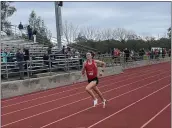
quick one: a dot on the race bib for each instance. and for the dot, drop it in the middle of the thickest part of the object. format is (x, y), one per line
(90, 73)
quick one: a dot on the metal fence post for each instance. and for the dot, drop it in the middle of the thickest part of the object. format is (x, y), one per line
(6, 66)
(31, 67)
(68, 68)
(49, 63)
(27, 65)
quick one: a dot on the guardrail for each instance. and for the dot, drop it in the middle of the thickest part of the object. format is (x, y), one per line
(33, 68)
(11, 69)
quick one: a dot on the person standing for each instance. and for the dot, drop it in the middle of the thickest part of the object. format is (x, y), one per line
(29, 30)
(4, 56)
(20, 26)
(26, 57)
(126, 54)
(163, 53)
(34, 35)
(169, 52)
(20, 60)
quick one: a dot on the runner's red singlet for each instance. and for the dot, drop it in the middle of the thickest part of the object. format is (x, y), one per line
(91, 70)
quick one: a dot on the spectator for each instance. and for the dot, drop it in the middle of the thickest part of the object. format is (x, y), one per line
(126, 54)
(20, 59)
(34, 35)
(116, 55)
(163, 53)
(26, 56)
(20, 26)
(112, 53)
(46, 59)
(49, 50)
(152, 54)
(169, 52)
(165, 50)
(4, 56)
(68, 49)
(77, 55)
(63, 50)
(9, 57)
(132, 55)
(156, 52)
(29, 30)
(141, 53)
(159, 52)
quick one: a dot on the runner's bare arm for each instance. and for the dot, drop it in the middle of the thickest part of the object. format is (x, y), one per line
(103, 64)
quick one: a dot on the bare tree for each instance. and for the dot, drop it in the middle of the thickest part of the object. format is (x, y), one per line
(107, 34)
(120, 34)
(89, 32)
(98, 35)
(70, 32)
(149, 38)
(131, 35)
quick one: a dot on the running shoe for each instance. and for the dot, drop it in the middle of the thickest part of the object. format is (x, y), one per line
(104, 103)
(95, 102)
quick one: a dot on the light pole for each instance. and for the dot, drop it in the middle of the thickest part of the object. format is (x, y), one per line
(58, 23)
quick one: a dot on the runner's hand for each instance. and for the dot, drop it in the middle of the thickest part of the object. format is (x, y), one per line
(101, 74)
(83, 74)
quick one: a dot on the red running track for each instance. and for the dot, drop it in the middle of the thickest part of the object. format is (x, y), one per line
(138, 98)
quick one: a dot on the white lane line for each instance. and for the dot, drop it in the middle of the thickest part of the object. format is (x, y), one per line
(77, 94)
(76, 102)
(142, 74)
(61, 87)
(145, 124)
(128, 106)
(72, 86)
(89, 108)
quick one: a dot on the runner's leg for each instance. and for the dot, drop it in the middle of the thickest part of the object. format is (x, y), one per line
(95, 88)
(89, 89)
(100, 95)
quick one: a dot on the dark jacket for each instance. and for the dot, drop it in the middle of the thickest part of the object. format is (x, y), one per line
(34, 32)
(29, 29)
(26, 56)
(127, 53)
(20, 26)
(19, 57)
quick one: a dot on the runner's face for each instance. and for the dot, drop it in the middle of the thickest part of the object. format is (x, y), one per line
(88, 55)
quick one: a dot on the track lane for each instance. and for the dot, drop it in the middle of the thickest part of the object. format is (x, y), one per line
(31, 107)
(24, 104)
(161, 120)
(14, 100)
(95, 114)
(82, 94)
(135, 116)
(62, 111)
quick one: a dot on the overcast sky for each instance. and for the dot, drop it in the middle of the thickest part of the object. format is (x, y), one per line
(145, 18)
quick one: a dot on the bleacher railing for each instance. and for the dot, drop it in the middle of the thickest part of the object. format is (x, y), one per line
(13, 32)
(34, 68)
(28, 69)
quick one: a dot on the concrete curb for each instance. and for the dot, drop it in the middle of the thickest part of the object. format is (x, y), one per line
(21, 87)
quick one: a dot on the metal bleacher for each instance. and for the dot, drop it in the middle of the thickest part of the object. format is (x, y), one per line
(36, 64)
